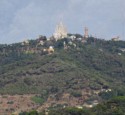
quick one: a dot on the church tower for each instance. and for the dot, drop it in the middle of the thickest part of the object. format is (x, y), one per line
(60, 32)
(86, 35)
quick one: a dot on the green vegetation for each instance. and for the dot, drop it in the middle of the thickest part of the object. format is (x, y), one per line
(70, 111)
(94, 64)
(29, 113)
(76, 94)
(37, 99)
(115, 106)
(97, 66)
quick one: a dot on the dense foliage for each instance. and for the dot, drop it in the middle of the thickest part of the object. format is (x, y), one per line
(93, 64)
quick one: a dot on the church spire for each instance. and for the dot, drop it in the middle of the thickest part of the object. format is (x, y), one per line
(60, 32)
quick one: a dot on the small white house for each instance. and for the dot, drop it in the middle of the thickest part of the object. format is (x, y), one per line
(116, 39)
(41, 42)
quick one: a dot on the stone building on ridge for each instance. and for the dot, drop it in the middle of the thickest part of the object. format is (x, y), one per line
(60, 32)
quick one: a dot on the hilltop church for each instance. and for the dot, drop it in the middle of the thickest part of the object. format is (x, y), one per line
(60, 32)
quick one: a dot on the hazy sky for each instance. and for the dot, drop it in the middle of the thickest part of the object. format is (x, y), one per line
(26, 19)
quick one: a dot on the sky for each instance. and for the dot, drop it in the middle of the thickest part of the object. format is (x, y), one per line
(27, 19)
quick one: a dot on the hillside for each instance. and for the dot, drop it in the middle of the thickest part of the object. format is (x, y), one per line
(94, 68)
(115, 106)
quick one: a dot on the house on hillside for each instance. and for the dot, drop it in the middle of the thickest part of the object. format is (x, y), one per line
(72, 37)
(122, 49)
(116, 38)
(41, 38)
(25, 42)
(50, 50)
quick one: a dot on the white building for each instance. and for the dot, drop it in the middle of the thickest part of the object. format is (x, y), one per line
(60, 32)
(25, 42)
(116, 38)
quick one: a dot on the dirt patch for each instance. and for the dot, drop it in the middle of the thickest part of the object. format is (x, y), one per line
(16, 103)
